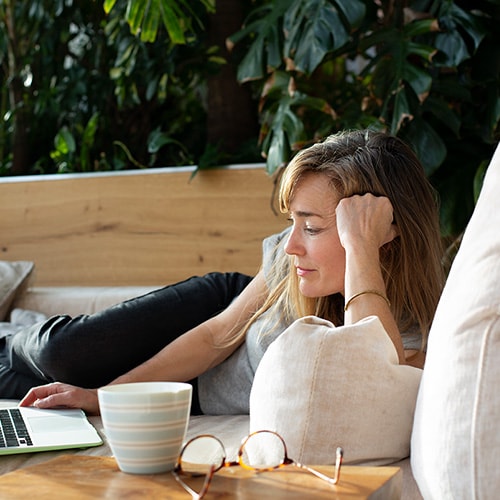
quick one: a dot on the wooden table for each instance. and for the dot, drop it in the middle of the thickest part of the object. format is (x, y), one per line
(72, 477)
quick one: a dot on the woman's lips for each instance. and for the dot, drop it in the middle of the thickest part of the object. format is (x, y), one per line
(301, 271)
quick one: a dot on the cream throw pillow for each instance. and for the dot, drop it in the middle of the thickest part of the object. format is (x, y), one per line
(321, 387)
(14, 277)
(456, 438)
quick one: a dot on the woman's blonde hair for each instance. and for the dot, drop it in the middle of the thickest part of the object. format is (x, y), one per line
(359, 162)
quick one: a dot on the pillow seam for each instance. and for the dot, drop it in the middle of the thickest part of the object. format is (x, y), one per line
(312, 392)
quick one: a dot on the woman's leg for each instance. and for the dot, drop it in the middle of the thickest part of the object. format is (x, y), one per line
(14, 385)
(90, 351)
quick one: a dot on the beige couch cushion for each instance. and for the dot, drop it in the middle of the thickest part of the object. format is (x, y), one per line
(74, 300)
(321, 387)
(13, 279)
(456, 436)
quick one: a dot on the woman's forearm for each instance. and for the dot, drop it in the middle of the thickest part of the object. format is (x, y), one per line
(363, 274)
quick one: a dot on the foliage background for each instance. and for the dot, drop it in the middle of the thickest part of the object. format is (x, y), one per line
(146, 83)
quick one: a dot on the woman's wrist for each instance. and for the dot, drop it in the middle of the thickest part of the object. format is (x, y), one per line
(378, 293)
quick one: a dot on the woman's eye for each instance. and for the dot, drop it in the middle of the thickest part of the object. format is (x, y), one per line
(312, 230)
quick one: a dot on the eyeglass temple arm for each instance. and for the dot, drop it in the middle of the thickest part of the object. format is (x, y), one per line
(204, 489)
(317, 473)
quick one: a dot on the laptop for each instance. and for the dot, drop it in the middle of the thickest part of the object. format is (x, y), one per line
(26, 430)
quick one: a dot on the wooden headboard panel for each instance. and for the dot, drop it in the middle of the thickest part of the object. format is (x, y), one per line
(150, 227)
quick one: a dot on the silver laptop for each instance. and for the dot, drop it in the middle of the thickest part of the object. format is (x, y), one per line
(25, 430)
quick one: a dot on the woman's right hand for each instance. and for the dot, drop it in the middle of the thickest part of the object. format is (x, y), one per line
(59, 395)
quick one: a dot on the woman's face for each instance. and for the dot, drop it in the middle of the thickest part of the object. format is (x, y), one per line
(319, 258)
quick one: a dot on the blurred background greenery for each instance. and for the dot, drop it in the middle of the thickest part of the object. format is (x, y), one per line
(118, 84)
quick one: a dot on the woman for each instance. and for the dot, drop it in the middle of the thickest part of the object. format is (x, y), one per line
(364, 240)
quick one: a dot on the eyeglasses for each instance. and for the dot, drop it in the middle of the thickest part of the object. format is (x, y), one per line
(260, 451)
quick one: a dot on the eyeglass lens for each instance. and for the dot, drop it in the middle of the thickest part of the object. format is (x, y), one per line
(262, 450)
(201, 454)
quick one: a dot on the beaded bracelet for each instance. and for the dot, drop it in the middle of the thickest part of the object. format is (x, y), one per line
(374, 292)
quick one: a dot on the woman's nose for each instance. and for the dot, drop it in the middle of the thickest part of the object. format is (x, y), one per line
(293, 246)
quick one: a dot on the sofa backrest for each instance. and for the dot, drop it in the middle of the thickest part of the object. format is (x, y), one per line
(144, 227)
(456, 433)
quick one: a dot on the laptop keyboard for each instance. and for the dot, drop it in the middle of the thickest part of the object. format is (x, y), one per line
(13, 431)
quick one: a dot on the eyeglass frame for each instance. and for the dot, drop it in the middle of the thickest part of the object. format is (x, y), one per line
(339, 454)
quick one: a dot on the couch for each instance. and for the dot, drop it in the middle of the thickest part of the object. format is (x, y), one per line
(86, 242)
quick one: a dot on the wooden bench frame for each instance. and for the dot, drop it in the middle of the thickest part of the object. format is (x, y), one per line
(144, 227)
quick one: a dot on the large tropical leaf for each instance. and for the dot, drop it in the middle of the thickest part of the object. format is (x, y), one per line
(283, 130)
(399, 62)
(315, 28)
(428, 145)
(264, 29)
(300, 32)
(458, 27)
(143, 17)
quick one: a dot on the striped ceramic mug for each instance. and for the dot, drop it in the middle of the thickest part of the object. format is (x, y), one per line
(145, 423)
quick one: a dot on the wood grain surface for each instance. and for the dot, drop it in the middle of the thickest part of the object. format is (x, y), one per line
(86, 477)
(143, 228)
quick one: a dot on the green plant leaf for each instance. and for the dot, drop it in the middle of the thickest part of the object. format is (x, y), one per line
(172, 19)
(88, 142)
(265, 50)
(384, 37)
(401, 111)
(135, 13)
(108, 5)
(126, 53)
(209, 5)
(399, 64)
(353, 10)
(283, 129)
(143, 17)
(252, 65)
(157, 139)
(150, 24)
(278, 151)
(419, 79)
(479, 178)
(313, 29)
(457, 26)
(418, 27)
(428, 145)
(424, 51)
(469, 22)
(452, 47)
(64, 141)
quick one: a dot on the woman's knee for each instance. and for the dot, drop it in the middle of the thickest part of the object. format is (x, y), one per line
(59, 348)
